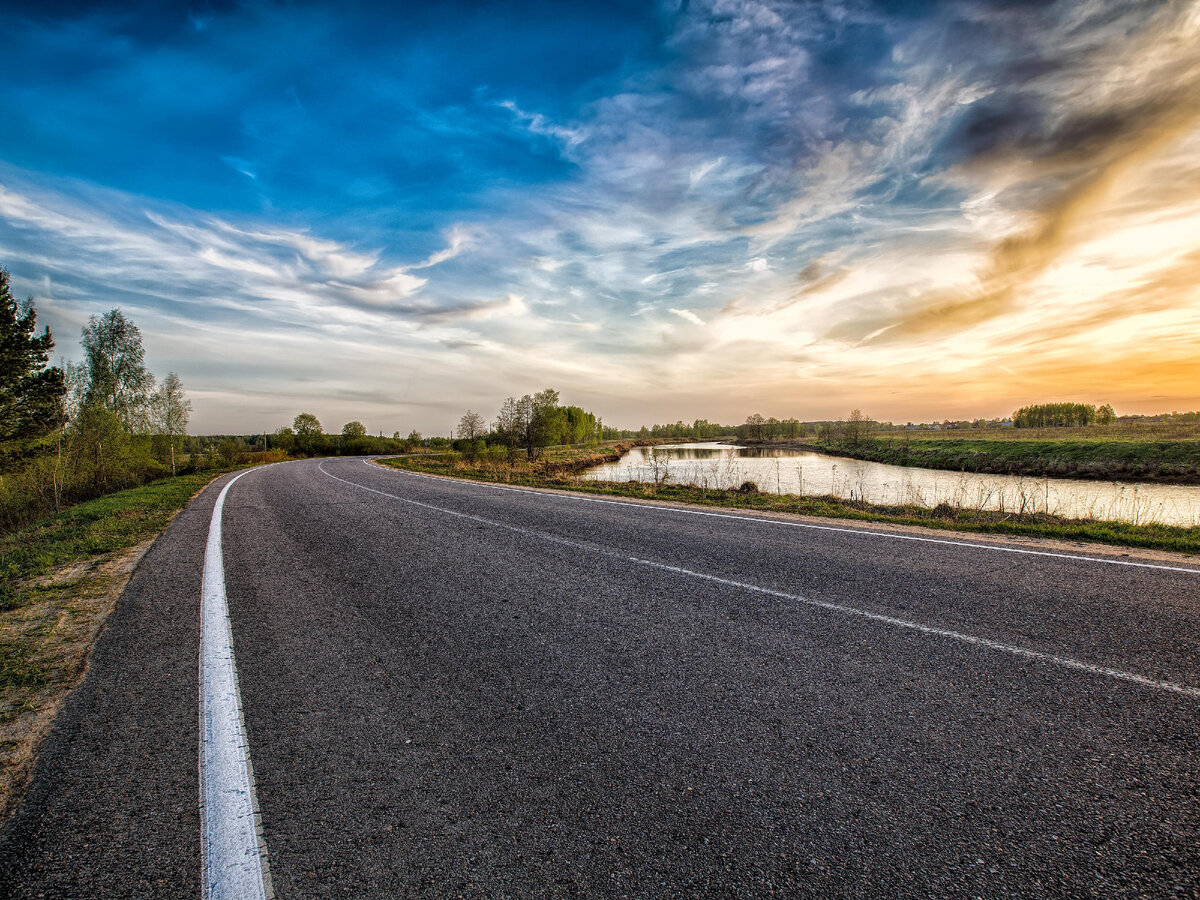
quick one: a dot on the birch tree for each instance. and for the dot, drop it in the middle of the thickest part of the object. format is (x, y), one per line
(171, 410)
(117, 376)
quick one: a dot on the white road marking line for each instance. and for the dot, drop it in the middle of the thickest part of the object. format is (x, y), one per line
(961, 637)
(764, 520)
(234, 853)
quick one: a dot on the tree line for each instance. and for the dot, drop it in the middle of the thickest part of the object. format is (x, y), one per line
(1063, 415)
(307, 437)
(698, 430)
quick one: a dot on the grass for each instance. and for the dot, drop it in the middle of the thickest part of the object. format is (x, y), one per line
(16, 666)
(45, 567)
(1052, 455)
(563, 474)
(82, 532)
(1120, 431)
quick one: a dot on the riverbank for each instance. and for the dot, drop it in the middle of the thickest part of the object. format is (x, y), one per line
(565, 475)
(554, 462)
(1162, 462)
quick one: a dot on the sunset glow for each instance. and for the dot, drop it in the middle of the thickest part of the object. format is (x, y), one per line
(672, 211)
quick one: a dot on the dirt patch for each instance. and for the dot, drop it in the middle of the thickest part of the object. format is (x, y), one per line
(54, 634)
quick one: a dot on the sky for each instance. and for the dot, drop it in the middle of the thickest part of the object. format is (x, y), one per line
(395, 212)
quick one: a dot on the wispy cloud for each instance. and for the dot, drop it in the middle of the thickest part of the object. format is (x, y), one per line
(687, 315)
(458, 239)
(697, 174)
(1085, 160)
(748, 193)
(539, 124)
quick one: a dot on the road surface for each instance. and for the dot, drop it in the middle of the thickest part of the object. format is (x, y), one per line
(452, 689)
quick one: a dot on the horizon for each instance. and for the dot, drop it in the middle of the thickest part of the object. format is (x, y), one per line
(666, 212)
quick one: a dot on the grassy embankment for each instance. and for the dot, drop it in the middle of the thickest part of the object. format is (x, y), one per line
(1176, 462)
(1167, 452)
(59, 579)
(560, 469)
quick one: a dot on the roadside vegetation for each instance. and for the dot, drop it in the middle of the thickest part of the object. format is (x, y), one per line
(561, 470)
(557, 465)
(100, 426)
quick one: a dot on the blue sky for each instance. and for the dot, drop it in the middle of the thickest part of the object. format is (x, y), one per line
(393, 213)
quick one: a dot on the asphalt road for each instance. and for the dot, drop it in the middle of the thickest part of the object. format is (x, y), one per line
(457, 690)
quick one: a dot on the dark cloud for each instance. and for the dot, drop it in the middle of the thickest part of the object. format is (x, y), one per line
(1019, 125)
(1000, 123)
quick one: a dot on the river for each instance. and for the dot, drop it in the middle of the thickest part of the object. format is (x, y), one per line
(791, 471)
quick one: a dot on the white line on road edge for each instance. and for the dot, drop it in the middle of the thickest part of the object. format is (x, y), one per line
(987, 643)
(234, 854)
(764, 520)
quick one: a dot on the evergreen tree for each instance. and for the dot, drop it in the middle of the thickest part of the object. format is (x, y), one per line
(31, 392)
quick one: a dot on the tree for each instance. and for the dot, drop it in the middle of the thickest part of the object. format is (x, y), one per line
(855, 428)
(354, 429)
(31, 393)
(755, 424)
(470, 426)
(284, 438)
(1106, 415)
(117, 376)
(540, 415)
(509, 425)
(307, 428)
(171, 410)
(101, 449)
(307, 425)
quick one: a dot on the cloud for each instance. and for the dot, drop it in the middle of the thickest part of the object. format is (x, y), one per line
(1084, 159)
(539, 124)
(510, 306)
(1016, 260)
(697, 174)
(847, 194)
(240, 165)
(267, 272)
(458, 239)
(1173, 288)
(687, 315)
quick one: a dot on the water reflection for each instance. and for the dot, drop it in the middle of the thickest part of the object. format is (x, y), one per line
(790, 471)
